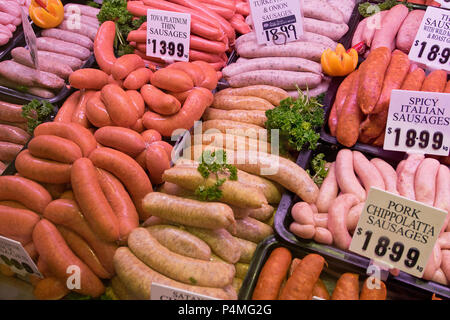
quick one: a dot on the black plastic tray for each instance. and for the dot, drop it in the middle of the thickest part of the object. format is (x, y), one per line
(20, 42)
(283, 219)
(16, 38)
(337, 265)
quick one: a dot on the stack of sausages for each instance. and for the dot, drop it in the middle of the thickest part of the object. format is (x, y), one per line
(211, 33)
(13, 132)
(335, 214)
(361, 106)
(394, 28)
(60, 51)
(10, 18)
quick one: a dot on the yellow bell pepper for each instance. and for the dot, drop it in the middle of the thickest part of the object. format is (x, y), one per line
(49, 17)
(339, 63)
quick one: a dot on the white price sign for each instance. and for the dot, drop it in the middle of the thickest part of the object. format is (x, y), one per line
(431, 47)
(15, 256)
(418, 122)
(444, 3)
(276, 21)
(397, 231)
(163, 292)
(168, 35)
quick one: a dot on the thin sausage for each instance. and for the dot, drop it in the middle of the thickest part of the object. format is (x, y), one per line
(345, 175)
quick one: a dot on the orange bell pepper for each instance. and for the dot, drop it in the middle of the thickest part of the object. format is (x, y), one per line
(339, 63)
(49, 17)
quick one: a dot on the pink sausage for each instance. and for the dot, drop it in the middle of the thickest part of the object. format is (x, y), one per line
(302, 213)
(321, 220)
(328, 190)
(373, 24)
(353, 216)
(439, 277)
(345, 176)
(358, 35)
(367, 172)
(302, 231)
(433, 262)
(405, 177)
(337, 219)
(442, 198)
(385, 37)
(445, 266)
(313, 208)
(387, 173)
(444, 240)
(323, 235)
(425, 181)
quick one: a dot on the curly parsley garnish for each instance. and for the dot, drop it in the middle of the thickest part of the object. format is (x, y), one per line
(36, 112)
(318, 166)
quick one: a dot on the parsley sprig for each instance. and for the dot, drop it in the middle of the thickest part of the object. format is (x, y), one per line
(319, 169)
(214, 163)
(386, 5)
(36, 112)
(298, 121)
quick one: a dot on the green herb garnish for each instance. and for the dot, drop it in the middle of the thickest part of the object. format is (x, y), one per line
(367, 9)
(214, 163)
(297, 121)
(319, 169)
(36, 112)
(192, 280)
(93, 4)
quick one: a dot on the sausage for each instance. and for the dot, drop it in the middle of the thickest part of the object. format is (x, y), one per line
(67, 109)
(444, 240)
(181, 242)
(387, 173)
(211, 78)
(435, 81)
(11, 112)
(405, 178)
(337, 222)
(302, 213)
(408, 30)
(120, 202)
(13, 134)
(128, 171)
(306, 231)
(445, 266)
(63, 47)
(88, 79)
(80, 28)
(42, 170)
(136, 79)
(347, 287)
(257, 117)
(251, 229)
(323, 235)
(173, 80)
(69, 36)
(196, 103)
(353, 216)
(157, 161)
(84, 252)
(92, 201)
(104, 46)
(345, 176)
(395, 75)
(150, 136)
(371, 76)
(53, 249)
(167, 147)
(433, 263)
(374, 23)
(120, 290)
(339, 101)
(188, 212)
(82, 9)
(328, 190)
(17, 224)
(123, 139)
(367, 172)
(66, 213)
(138, 277)
(54, 148)
(8, 151)
(79, 114)
(137, 101)
(158, 101)
(192, 70)
(72, 62)
(424, 181)
(248, 249)
(27, 192)
(385, 36)
(71, 131)
(221, 242)
(231, 102)
(442, 198)
(96, 111)
(126, 64)
(117, 104)
(272, 191)
(350, 115)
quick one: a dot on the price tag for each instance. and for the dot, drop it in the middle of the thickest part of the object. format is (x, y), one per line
(444, 3)
(418, 121)
(397, 231)
(168, 35)
(276, 21)
(431, 47)
(15, 256)
(163, 292)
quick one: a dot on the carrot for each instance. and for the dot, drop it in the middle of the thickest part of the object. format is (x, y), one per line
(272, 275)
(50, 289)
(373, 294)
(320, 290)
(301, 284)
(347, 287)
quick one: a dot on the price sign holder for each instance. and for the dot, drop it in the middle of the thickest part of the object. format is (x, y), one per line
(163, 292)
(418, 122)
(277, 22)
(168, 35)
(397, 231)
(431, 46)
(17, 258)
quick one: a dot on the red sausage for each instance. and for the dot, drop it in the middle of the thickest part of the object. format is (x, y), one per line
(104, 46)
(157, 161)
(122, 139)
(54, 148)
(17, 224)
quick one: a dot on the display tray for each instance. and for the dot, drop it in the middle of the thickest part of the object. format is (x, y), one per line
(17, 37)
(20, 42)
(283, 219)
(336, 266)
